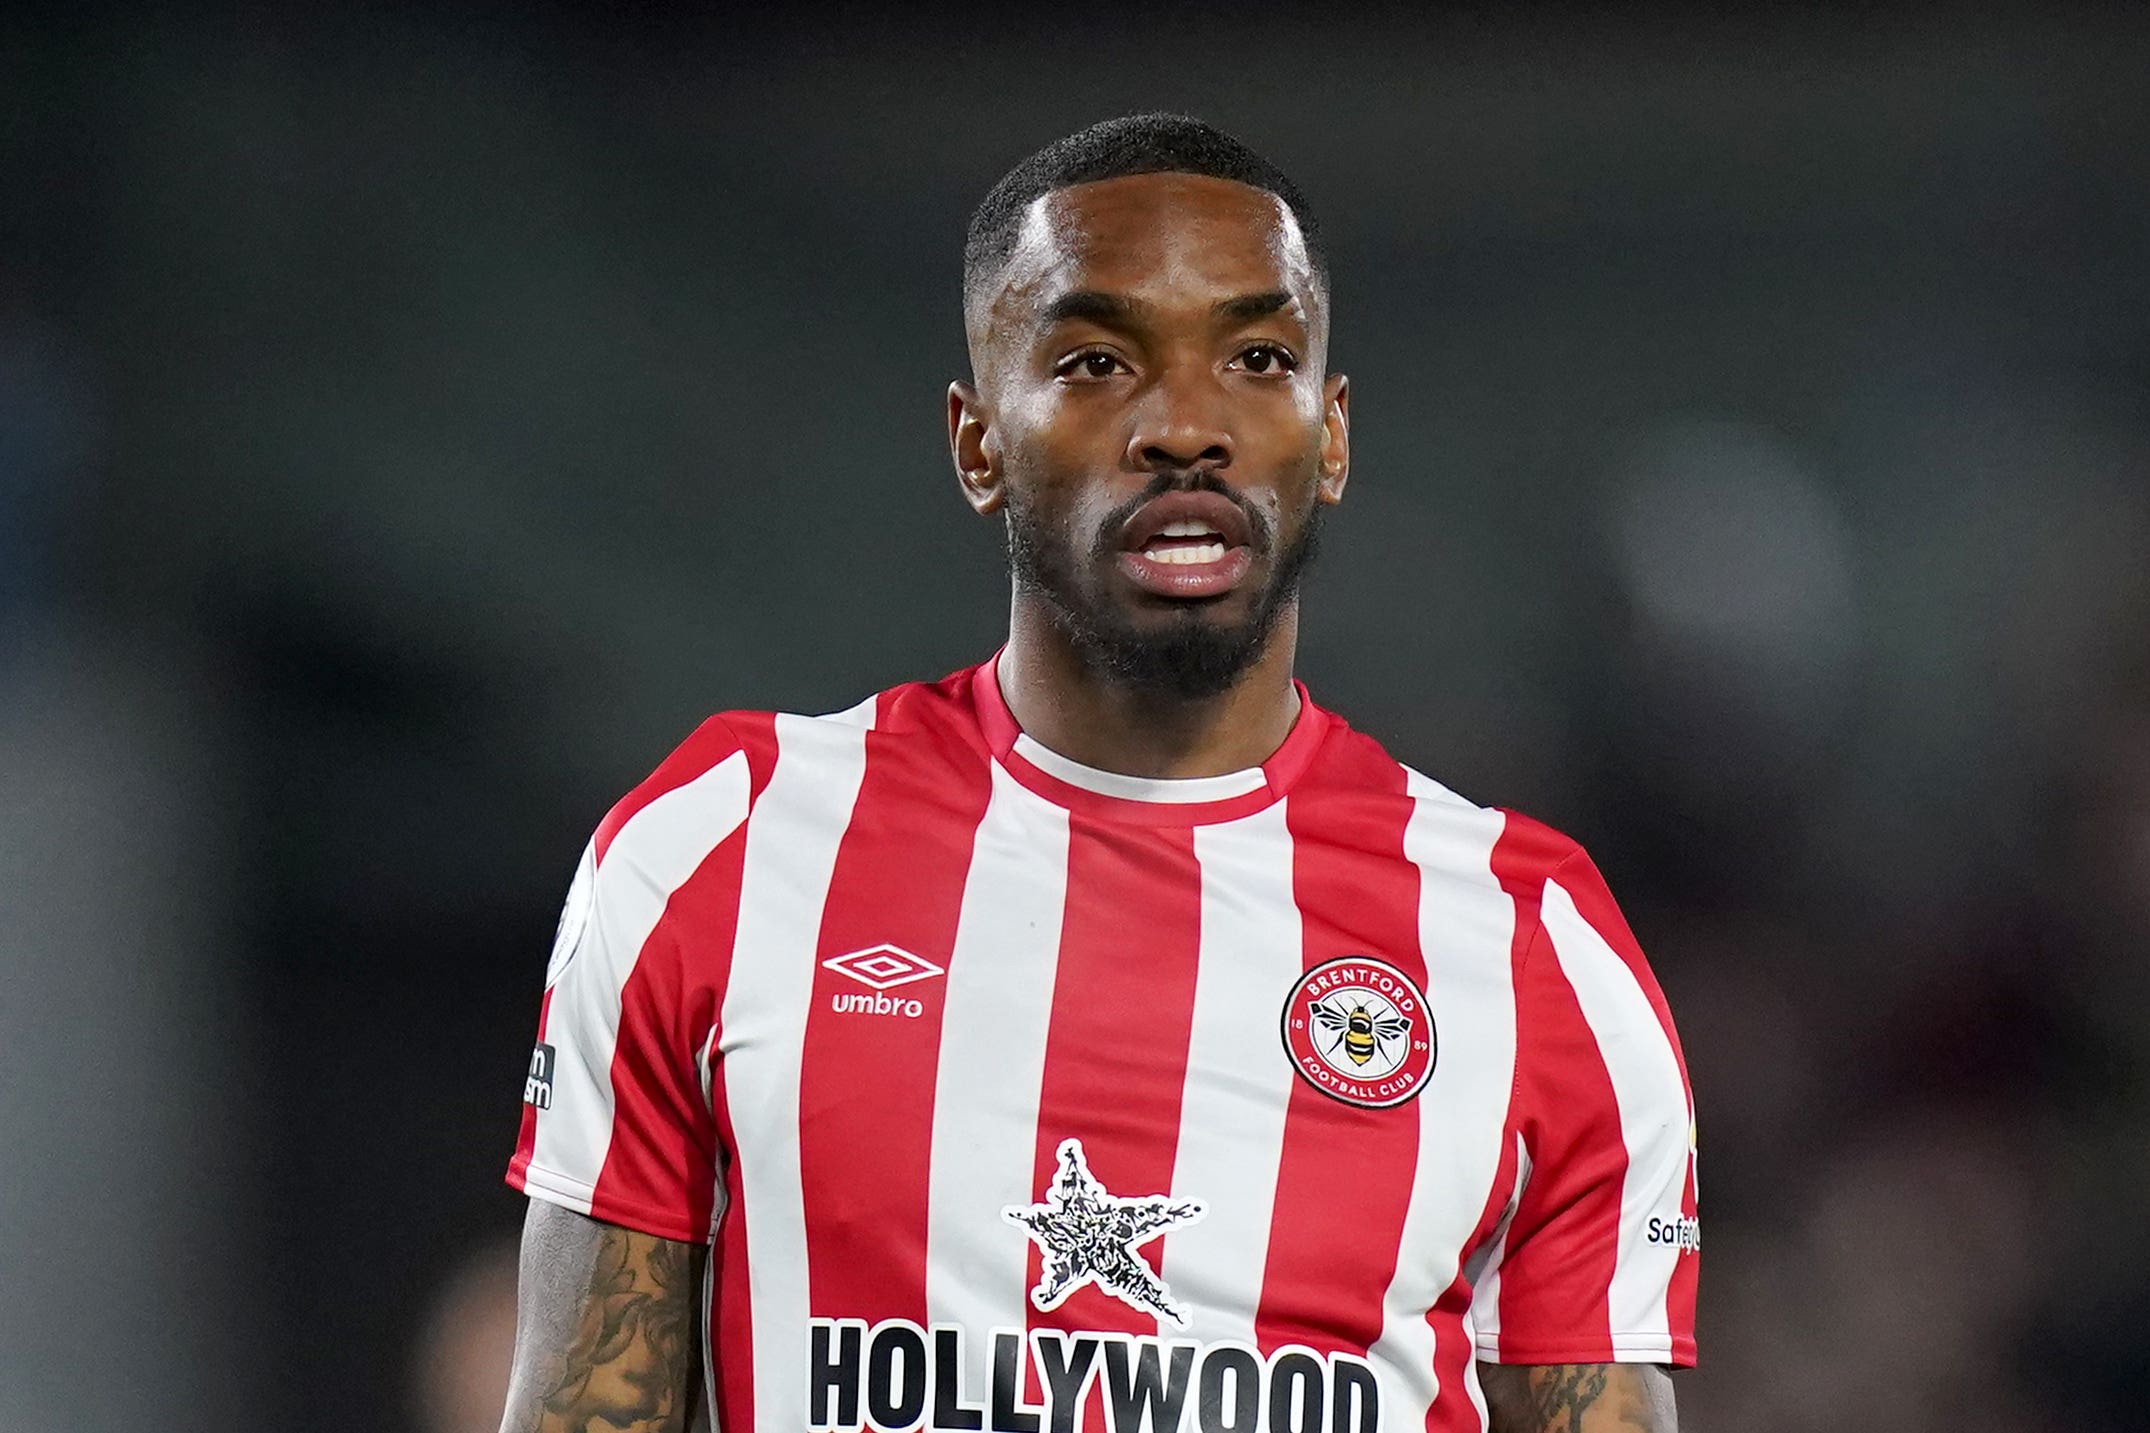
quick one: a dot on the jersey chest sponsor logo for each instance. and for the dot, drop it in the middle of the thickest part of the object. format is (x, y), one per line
(881, 969)
(896, 1377)
(1358, 1030)
(1088, 1235)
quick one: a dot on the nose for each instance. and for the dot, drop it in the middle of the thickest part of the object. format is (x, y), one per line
(1180, 426)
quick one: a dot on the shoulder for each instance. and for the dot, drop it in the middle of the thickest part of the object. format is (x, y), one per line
(921, 715)
(1526, 856)
(1350, 760)
(739, 750)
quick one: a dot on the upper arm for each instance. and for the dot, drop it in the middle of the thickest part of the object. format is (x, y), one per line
(617, 1120)
(618, 1144)
(1578, 1398)
(606, 1332)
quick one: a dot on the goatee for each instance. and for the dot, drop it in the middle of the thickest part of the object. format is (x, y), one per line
(1187, 659)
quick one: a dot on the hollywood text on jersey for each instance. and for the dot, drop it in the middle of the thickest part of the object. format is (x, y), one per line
(896, 1377)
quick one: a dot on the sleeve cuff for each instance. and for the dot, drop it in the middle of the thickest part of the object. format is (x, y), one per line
(1678, 1350)
(665, 1222)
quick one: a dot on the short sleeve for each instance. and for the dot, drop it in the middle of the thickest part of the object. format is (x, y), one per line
(1598, 1260)
(617, 1120)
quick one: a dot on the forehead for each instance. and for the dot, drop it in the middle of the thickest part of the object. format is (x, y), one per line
(1158, 232)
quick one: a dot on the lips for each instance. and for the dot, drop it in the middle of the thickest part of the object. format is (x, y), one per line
(1187, 545)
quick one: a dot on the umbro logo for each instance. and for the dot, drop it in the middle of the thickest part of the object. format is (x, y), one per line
(884, 967)
(881, 968)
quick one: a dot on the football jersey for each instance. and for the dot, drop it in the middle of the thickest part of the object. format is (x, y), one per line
(1017, 1095)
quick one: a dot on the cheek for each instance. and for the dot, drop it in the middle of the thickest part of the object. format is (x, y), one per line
(1314, 423)
(1288, 430)
(1063, 469)
(1297, 488)
(1048, 485)
(1054, 440)
(1290, 448)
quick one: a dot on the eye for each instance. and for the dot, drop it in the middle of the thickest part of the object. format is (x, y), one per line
(1090, 363)
(1267, 360)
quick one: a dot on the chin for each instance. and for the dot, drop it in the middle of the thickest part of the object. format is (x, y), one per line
(1188, 651)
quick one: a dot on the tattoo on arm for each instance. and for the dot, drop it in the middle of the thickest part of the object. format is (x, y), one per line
(1578, 1398)
(607, 1334)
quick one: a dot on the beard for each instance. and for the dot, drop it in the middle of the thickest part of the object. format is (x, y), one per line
(1188, 657)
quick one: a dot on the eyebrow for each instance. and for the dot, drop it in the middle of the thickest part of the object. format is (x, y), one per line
(1247, 307)
(1097, 306)
(1089, 304)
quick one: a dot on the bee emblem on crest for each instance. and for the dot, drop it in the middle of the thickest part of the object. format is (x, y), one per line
(1360, 1033)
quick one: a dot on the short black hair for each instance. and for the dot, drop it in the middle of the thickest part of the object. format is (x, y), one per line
(1155, 143)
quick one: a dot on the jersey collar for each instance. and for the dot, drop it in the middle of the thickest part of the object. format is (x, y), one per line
(1157, 801)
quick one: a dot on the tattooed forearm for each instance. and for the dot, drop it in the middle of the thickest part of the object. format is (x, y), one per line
(624, 1366)
(1560, 1398)
(1578, 1398)
(606, 1338)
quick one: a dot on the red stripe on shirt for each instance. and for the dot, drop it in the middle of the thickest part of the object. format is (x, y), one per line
(1116, 1051)
(1345, 1177)
(1557, 1268)
(661, 1163)
(866, 1087)
(729, 1332)
(1513, 859)
(1586, 887)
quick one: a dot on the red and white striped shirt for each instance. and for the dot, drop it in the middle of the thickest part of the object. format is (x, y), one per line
(1016, 1095)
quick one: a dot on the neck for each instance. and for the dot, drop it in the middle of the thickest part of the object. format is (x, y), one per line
(1084, 715)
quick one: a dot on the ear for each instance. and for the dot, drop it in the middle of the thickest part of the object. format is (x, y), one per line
(973, 446)
(1335, 439)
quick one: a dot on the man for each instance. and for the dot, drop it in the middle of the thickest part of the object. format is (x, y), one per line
(1106, 1037)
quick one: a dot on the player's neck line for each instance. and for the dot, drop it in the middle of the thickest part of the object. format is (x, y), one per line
(1138, 788)
(1082, 713)
(1170, 799)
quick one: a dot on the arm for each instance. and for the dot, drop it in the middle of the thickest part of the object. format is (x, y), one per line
(606, 1330)
(1578, 1398)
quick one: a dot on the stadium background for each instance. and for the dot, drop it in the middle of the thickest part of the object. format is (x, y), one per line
(413, 420)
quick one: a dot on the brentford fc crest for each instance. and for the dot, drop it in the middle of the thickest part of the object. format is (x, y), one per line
(1358, 1030)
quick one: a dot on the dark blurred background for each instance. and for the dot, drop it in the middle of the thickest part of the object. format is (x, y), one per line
(414, 420)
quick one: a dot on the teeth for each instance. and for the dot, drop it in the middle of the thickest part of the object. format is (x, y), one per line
(1187, 527)
(1188, 556)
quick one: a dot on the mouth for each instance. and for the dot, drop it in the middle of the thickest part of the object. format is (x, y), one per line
(1187, 546)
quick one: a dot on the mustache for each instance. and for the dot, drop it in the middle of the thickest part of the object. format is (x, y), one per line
(1179, 480)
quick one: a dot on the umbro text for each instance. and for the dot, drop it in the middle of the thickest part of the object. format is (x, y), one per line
(846, 1002)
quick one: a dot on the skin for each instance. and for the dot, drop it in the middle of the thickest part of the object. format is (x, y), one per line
(1578, 1398)
(1199, 355)
(607, 1334)
(1181, 383)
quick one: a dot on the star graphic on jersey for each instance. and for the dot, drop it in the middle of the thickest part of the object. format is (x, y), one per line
(1088, 1236)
